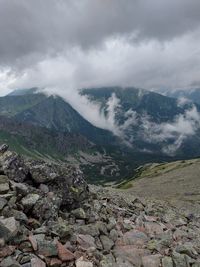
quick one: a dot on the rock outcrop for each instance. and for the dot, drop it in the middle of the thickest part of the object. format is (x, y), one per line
(49, 217)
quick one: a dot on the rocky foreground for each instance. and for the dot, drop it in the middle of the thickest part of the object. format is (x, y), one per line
(50, 217)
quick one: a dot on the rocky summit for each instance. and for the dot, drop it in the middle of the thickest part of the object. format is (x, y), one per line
(49, 216)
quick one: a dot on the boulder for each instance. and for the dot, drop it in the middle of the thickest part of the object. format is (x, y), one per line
(3, 202)
(10, 262)
(167, 262)
(86, 241)
(83, 263)
(63, 253)
(36, 262)
(9, 228)
(151, 261)
(47, 208)
(107, 243)
(79, 213)
(179, 260)
(47, 248)
(3, 148)
(29, 201)
(13, 166)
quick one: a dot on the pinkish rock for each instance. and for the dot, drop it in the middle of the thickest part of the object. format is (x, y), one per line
(36, 262)
(130, 254)
(63, 253)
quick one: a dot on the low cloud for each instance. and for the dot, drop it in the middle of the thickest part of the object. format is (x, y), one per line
(175, 132)
(169, 135)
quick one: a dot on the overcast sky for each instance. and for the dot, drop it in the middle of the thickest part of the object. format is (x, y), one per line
(68, 44)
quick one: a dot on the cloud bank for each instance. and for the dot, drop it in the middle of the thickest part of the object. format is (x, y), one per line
(79, 43)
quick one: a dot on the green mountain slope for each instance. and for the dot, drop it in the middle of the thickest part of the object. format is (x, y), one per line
(35, 124)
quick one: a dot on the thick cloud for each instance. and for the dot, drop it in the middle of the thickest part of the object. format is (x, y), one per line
(36, 27)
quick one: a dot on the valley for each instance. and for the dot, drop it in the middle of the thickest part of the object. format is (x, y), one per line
(47, 127)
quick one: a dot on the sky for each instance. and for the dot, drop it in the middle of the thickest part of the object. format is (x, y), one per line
(68, 44)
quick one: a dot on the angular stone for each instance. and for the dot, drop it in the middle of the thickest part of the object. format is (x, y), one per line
(63, 253)
(36, 262)
(4, 179)
(13, 166)
(187, 249)
(47, 208)
(79, 213)
(90, 229)
(33, 241)
(21, 188)
(107, 243)
(3, 202)
(86, 241)
(113, 235)
(6, 251)
(61, 229)
(133, 237)
(179, 260)
(83, 263)
(130, 254)
(9, 262)
(102, 227)
(153, 228)
(29, 201)
(47, 248)
(9, 227)
(3, 148)
(108, 261)
(151, 261)
(4, 188)
(167, 262)
(55, 262)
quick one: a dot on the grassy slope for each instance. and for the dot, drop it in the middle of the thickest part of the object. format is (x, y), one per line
(177, 180)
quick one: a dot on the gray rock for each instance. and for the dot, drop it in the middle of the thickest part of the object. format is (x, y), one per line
(108, 261)
(21, 188)
(9, 228)
(113, 235)
(167, 262)
(89, 229)
(86, 241)
(9, 262)
(83, 263)
(47, 208)
(47, 248)
(61, 229)
(3, 148)
(13, 166)
(3, 202)
(107, 243)
(4, 179)
(179, 260)
(19, 215)
(29, 201)
(187, 249)
(151, 261)
(79, 213)
(4, 188)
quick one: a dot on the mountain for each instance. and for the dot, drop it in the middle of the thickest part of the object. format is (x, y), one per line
(149, 121)
(46, 126)
(30, 120)
(192, 94)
